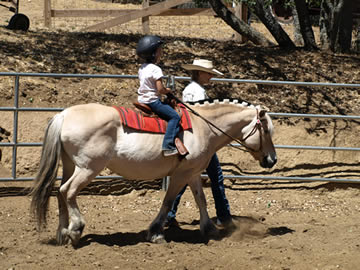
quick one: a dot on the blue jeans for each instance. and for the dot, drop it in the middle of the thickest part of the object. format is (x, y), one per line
(222, 207)
(164, 111)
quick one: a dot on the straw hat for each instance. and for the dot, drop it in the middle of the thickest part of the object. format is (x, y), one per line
(202, 65)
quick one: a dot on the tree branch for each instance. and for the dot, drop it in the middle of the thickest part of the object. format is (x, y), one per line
(238, 25)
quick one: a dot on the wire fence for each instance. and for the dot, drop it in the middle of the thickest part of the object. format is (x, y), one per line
(16, 108)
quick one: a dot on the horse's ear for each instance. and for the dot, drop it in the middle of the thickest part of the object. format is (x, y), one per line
(262, 113)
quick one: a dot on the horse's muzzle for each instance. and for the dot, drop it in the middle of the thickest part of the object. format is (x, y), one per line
(268, 161)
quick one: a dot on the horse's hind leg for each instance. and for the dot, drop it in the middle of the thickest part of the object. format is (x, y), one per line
(62, 231)
(69, 190)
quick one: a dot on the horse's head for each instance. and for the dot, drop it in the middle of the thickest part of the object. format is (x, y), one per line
(248, 125)
(257, 139)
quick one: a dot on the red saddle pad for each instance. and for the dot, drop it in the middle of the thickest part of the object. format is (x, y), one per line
(138, 121)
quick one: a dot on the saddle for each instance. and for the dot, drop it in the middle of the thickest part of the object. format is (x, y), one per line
(143, 108)
(142, 118)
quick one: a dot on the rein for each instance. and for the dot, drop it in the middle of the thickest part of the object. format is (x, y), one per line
(257, 126)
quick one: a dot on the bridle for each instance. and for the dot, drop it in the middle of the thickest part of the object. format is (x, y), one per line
(258, 126)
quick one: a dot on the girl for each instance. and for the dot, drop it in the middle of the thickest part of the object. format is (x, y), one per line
(151, 88)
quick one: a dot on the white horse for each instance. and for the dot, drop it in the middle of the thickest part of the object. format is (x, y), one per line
(90, 137)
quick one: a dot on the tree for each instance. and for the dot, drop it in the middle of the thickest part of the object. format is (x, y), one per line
(238, 25)
(357, 41)
(262, 10)
(336, 21)
(305, 25)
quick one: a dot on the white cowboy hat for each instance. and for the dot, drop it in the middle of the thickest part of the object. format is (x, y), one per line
(202, 65)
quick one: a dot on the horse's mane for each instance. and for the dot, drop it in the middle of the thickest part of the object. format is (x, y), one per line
(215, 100)
(233, 101)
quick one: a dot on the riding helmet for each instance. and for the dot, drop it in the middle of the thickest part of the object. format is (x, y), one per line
(147, 47)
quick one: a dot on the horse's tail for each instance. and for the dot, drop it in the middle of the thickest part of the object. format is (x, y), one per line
(47, 173)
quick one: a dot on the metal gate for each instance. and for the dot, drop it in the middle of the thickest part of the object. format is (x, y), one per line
(16, 108)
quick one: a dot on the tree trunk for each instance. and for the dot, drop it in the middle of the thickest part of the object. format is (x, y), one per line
(357, 41)
(238, 25)
(262, 10)
(305, 25)
(299, 41)
(336, 20)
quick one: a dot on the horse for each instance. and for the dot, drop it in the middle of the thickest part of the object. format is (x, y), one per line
(90, 137)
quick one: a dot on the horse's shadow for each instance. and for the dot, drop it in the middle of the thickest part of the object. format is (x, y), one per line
(114, 239)
(242, 225)
(173, 234)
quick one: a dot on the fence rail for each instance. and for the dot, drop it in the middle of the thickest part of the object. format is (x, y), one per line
(16, 109)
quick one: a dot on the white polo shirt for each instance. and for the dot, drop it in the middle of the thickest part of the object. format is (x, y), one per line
(193, 92)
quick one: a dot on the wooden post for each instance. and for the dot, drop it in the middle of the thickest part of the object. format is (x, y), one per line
(47, 13)
(146, 20)
(241, 11)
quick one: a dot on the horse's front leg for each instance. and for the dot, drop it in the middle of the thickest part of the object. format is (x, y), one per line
(207, 227)
(156, 229)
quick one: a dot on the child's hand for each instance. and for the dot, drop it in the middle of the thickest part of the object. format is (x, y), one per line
(164, 91)
(161, 89)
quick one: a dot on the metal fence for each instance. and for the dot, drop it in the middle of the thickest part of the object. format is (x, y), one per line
(17, 108)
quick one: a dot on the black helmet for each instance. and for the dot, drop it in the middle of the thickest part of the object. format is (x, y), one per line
(147, 47)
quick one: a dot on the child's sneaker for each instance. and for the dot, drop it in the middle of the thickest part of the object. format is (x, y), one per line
(170, 152)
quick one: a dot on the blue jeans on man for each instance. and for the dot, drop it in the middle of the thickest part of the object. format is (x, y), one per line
(166, 112)
(222, 206)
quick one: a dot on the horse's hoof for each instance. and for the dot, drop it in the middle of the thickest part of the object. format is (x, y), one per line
(75, 232)
(74, 237)
(210, 231)
(230, 226)
(62, 237)
(157, 239)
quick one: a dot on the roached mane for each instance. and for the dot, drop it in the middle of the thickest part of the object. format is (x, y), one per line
(224, 101)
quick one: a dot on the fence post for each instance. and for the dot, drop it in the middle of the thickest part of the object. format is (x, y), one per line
(165, 183)
(47, 13)
(146, 20)
(241, 11)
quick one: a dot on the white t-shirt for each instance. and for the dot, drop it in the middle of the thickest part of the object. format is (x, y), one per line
(148, 75)
(193, 92)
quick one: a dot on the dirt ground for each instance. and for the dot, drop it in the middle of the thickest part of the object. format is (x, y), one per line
(280, 224)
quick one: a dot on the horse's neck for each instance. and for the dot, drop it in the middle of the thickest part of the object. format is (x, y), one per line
(230, 118)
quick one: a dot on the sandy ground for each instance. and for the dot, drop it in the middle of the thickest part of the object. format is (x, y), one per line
(280, 224)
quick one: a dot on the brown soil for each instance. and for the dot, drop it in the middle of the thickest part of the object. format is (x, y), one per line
(280, 224)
